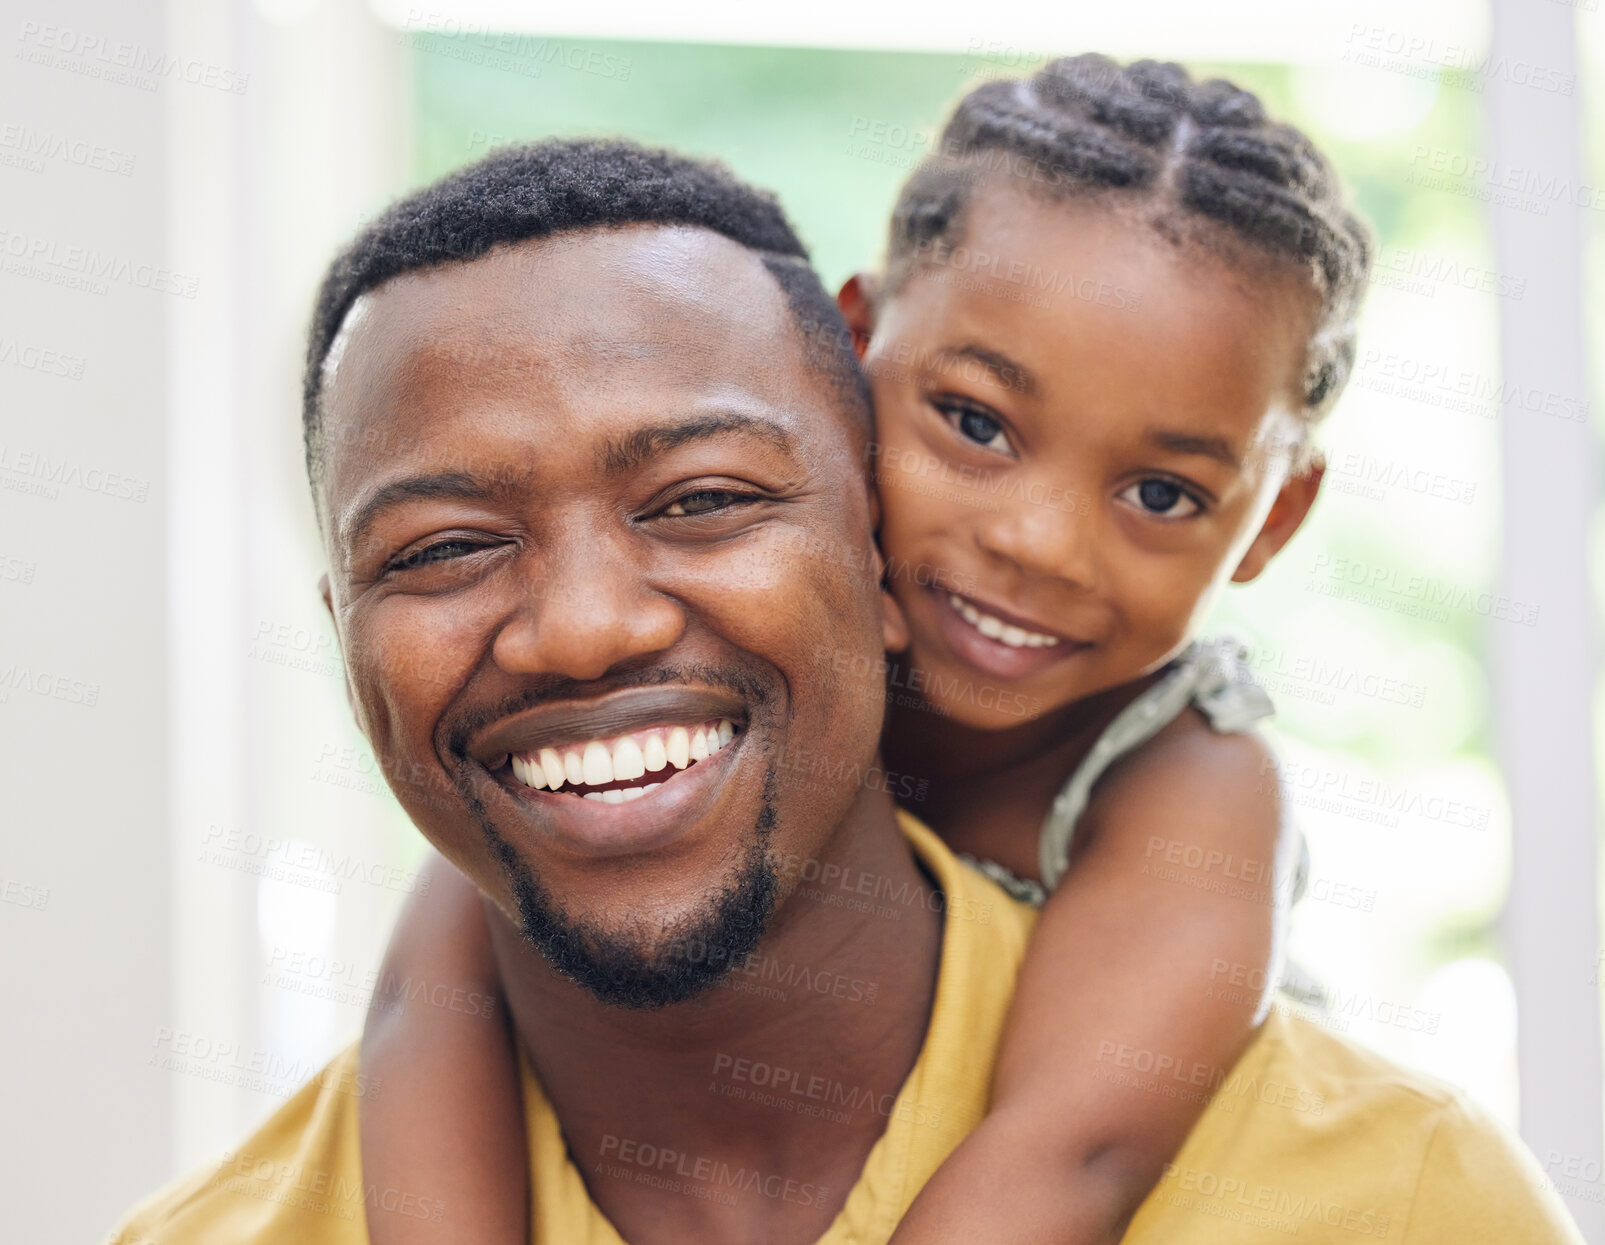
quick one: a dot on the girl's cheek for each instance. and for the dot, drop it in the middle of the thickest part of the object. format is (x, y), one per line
(1167, 604)
(907, 511)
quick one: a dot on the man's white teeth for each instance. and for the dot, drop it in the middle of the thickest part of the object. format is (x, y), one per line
(622, 795)
(599, 762)
(628, 762)
(531, 775)
(552, 767)
(997, 629)
(678, 747)
(597, 765)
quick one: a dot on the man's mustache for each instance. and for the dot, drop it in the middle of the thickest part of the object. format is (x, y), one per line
(544, 689)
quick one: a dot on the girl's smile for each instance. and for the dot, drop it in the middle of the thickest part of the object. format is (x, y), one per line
(995, 641)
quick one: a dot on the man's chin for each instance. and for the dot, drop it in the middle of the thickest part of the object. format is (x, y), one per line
(646, 968)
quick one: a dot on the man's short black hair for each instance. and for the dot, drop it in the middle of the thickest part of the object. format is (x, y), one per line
(531, 191)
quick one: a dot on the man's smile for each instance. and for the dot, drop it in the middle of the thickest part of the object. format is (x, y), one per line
(625, 768)
(629, 772)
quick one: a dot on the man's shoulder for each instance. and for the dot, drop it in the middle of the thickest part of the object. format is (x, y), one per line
(297, 1178)
(1315, 1134)
(1474, 1179)
(1348, 1073)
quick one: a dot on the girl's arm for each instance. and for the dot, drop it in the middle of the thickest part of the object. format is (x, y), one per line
(445, 1123)
(1131, 1004)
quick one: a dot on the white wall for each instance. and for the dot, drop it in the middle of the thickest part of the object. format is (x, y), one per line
(280, 820)
(84, 889)
(1546, 689)
(199, 736)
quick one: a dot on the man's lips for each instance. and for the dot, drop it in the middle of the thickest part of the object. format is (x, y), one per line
(575, 722)
(624, 767)
(660, 809)
(629, 772)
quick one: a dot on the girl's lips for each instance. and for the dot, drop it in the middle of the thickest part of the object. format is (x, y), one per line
(993, 657)
(1010, 619)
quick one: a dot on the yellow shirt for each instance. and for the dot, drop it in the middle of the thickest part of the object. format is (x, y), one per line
(1308, 1136)
(1313, 1137)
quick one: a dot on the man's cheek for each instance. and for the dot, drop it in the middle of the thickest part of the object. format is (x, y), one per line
(402, 681)
(806, 580)
(810, 605)
(846, 682)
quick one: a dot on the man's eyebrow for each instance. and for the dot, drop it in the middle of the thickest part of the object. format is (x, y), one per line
(1185, 443)
(439, 486)
(1012, 373)
(626, 454)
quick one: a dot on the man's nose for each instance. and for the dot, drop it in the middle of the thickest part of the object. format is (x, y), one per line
(1050, 541)
(584, 611)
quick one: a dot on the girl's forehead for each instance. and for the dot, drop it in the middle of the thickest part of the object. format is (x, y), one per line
(1043, 241)
(1084, 293)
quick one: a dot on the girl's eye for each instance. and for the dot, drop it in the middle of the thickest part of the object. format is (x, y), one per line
(1162, 498)
(704, 501)
(976, 425)
(442, 551)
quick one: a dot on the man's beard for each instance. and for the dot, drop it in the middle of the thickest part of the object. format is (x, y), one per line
(640, 972)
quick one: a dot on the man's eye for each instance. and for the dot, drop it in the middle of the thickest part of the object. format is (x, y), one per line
(440, 552)
(975, 425)
(1163, 498)
(704, 501)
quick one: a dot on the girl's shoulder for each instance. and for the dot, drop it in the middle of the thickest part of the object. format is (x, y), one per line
(1187, 758)
(1190, 733)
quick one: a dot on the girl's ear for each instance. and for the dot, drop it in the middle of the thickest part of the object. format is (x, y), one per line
(1286, 515)
(857, 303)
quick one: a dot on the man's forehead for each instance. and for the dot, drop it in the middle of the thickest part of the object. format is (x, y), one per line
(609, 294)
(640, 308)
(607, 325)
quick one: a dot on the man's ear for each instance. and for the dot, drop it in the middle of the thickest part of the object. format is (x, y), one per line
(857, 302)
(1287, 514)
(894, 626)
(328, 604)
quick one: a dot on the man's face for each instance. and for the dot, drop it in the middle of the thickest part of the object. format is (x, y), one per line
(586, 500)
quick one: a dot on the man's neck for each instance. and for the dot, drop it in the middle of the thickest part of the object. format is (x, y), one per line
(785, 1066)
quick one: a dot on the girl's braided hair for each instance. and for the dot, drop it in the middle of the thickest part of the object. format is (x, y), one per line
(1201, 158)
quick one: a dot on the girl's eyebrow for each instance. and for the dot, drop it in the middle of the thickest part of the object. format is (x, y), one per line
(1187, 443)
(1012, 373)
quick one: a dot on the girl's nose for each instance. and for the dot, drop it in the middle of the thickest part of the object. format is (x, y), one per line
(1057, 541)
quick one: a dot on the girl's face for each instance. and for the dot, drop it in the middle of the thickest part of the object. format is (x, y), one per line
(1082, 430)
